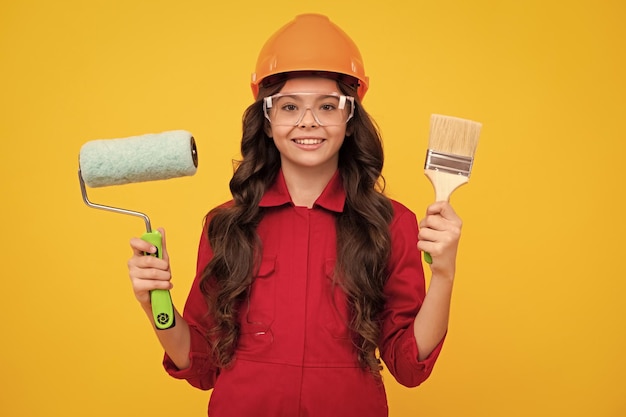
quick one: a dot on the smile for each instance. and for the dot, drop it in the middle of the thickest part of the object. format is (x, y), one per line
(308, 141)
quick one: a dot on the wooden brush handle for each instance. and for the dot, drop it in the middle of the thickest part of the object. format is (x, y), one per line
(444, 184)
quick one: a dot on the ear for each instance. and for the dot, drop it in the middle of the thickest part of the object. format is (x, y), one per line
(267, 128)
(350, 129)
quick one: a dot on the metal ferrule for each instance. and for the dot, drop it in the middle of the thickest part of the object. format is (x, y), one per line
(449, 163)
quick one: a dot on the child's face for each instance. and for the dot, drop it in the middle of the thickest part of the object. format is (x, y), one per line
(309, 144)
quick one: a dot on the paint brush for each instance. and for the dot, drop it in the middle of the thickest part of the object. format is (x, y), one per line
(451, 146)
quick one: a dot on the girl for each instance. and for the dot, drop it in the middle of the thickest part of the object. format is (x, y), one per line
(310, 275)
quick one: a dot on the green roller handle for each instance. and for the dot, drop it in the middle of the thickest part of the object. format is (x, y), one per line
(161, 300)
(428, 258)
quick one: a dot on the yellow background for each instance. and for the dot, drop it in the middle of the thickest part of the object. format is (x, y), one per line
(538, 320)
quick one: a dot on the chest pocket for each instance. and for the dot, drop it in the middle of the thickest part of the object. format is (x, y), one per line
(257, 314)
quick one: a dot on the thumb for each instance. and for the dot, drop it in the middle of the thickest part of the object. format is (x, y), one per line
(163, 244)
(443, 208)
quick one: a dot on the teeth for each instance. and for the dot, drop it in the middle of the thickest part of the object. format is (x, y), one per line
(308, 141)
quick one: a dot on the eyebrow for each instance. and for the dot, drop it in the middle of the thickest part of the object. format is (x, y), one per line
(331, 93)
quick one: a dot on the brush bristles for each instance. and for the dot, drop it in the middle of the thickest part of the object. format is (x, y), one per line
(453, 135)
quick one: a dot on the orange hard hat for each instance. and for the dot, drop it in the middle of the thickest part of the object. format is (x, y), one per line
(310, 43)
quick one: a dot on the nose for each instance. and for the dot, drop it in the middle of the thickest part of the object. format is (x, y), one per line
(308, 119)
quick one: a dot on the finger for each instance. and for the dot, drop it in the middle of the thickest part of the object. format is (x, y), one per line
(440, 223)
(144, 261)
(444, 219)
(434, 222)
(439, 230)
(436, 228)
(141, 247)
(426, 246)
(146, 285)
(139, 271)
(437, 243)
(427, 235)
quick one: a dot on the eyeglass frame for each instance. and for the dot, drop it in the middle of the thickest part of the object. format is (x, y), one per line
(267, 104)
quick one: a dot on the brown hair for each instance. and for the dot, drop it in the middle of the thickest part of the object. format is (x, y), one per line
(363, 240)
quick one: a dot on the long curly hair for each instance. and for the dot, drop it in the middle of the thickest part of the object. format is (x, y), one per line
(363, 239)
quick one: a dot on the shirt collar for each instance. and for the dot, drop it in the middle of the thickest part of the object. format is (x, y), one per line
(332, 198)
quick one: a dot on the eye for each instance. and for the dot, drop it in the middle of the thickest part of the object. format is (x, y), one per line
(289, 107)
(328, 107)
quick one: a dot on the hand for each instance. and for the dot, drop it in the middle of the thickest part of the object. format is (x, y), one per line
(439, 235)
(148, 273)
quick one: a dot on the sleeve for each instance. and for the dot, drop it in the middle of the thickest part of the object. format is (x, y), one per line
(405, 291)
(202, 372)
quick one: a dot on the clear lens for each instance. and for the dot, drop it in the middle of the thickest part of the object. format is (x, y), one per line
(290, 109)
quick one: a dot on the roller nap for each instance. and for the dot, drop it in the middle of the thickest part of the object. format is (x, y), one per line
(149, 157)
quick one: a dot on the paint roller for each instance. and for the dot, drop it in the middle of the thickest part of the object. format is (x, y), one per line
(150, 157)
